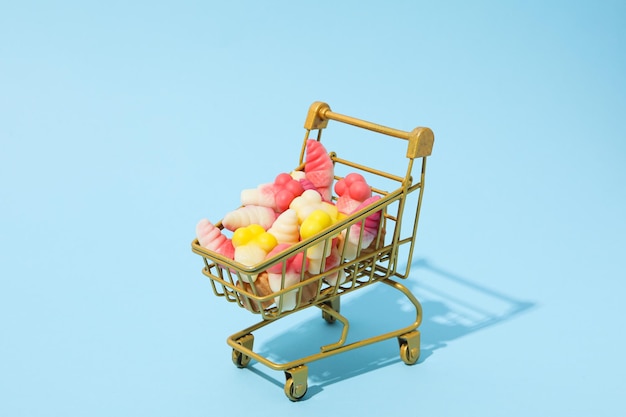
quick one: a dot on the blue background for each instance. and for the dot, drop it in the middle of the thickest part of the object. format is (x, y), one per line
(124, 123)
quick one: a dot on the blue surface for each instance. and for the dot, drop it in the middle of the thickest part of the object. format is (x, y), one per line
(121, 125)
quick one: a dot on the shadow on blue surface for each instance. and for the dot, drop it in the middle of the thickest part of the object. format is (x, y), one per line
(453, 307)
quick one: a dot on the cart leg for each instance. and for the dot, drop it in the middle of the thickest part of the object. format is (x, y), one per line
(335, 305)
(296, 384)
(410, 347)
(240, 359)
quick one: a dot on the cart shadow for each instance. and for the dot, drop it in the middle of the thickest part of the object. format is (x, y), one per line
(453, 307)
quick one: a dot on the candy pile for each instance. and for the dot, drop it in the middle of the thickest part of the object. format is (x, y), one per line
(295, 207)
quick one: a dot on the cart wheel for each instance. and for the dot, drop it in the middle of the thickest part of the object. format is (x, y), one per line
(329, 319)
(410, 347)
(409, 356)
(240, 359)
(296, 383)
(293, 392)
(335, 305)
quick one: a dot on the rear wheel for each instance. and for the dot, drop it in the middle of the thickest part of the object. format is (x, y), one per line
(335, 305)
(240, 359)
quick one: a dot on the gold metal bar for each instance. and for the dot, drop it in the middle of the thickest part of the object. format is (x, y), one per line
(233, 340)
(303, 149)
(328, 114)
(344, 332)
(420, 139)
(368, 169)
(417, 215)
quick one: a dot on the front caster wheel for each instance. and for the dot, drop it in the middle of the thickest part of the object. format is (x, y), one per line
(408, 356)
(410, 347)
(294, 392)
(296, 383)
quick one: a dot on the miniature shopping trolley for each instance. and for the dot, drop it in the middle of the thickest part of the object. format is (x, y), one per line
(378, 262)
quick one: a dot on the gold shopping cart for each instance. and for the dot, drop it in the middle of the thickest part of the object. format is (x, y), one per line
(378, 262)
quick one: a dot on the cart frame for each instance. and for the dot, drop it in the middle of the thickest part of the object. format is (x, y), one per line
(374, 264)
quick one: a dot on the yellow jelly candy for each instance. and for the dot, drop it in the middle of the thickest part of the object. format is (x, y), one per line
(332, 211)
(265, 241)
(243, 235)
(256, 229)
(315, 222)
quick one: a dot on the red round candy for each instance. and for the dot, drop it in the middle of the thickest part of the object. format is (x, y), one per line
(354, 177)
(294, 187)
(283, 199)
(360, 191)
(282, 179)
(340, 187)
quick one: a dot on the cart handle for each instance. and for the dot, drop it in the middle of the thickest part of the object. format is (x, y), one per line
(420, 139)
